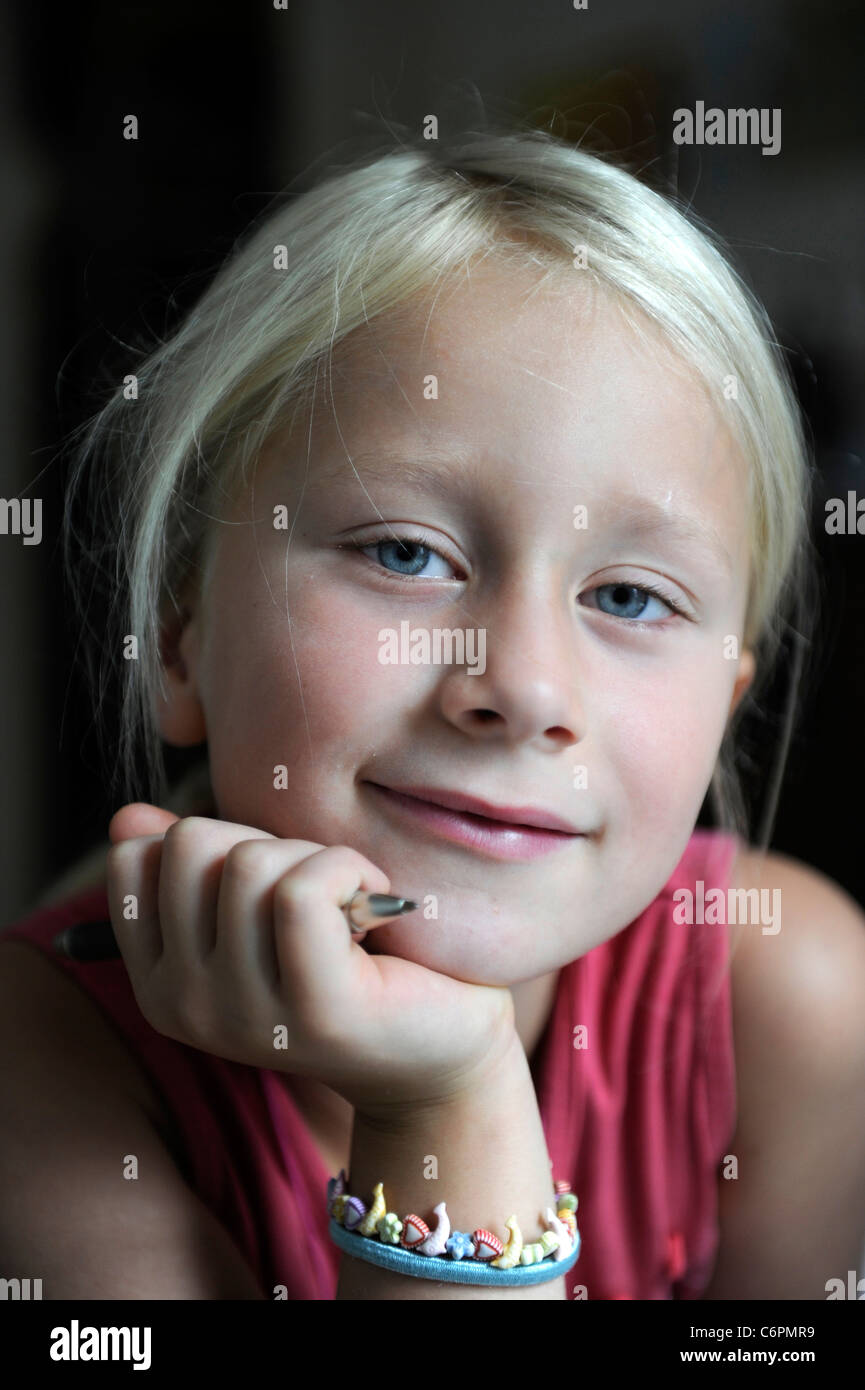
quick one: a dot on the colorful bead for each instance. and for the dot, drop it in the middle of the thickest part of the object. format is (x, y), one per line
(568, 1219)
(376, 1212)
(549, 1241)
(460, 1245)
(511, 1253)
(335, 1188)
(436, 1241)
(486, 1244)
(414, 1231)
(353, 1213)
(532, 1254)
(562, 1233)
(389, 1228)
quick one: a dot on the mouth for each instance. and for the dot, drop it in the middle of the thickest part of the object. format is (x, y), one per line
(489, 836)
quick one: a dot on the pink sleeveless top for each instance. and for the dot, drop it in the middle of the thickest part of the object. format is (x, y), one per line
(639, 1120)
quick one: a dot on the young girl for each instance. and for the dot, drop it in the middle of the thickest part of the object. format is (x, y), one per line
(457, 519)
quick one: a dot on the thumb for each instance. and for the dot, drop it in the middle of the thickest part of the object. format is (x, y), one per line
(138, 818)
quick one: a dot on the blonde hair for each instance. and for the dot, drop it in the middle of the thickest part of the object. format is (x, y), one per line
(365, 240)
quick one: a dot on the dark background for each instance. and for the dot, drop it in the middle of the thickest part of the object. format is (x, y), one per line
(105, 241)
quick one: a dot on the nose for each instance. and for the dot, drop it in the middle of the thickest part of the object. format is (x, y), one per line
(529, 690)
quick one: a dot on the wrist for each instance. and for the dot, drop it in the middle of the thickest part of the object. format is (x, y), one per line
(470, 1168)
(503, 1068)
(472, 1171)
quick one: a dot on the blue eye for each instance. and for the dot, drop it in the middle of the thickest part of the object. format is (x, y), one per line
(633, 598)
(408, 557)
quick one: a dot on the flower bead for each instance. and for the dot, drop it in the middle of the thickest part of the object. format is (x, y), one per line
(389, 1228)
(459, 1245)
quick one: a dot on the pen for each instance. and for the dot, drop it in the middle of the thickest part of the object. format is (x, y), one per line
(96, 940)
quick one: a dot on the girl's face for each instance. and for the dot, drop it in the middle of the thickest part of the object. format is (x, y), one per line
(476, 428)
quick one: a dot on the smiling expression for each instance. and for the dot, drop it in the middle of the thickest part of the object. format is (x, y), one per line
(600, 701)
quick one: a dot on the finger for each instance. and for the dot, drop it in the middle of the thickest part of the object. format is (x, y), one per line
(245, 944)
(139, 818)
(194, 852)
(313, 944)
(133, 879)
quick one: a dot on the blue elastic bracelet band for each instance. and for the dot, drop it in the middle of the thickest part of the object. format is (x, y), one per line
(442, 1267)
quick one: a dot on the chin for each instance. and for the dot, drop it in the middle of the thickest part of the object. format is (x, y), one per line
(470, 963)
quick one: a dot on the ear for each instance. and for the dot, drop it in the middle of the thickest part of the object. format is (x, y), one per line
(747, 669)
(180, 713)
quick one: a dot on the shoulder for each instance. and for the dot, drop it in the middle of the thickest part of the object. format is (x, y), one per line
(78, 1110)
(813, 955)
(792, 1212)
(57, 1023)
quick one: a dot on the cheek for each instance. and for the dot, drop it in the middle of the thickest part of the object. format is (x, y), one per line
(309, 679)
(662, 741)
(347, 690)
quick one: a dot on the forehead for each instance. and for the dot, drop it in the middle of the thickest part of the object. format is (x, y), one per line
(499, 347)
(496, 316)
(498, 375)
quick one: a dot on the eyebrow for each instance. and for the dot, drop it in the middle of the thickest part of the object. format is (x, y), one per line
(645, 517)
(441, 474)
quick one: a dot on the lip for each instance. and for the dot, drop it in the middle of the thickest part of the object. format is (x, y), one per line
(514, 816)
(479, 825)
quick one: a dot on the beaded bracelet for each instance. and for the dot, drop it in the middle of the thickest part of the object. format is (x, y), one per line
(408, 1245)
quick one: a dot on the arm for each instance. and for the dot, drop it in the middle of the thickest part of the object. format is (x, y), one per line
(795, 1216)
(492, 1163)
(68, 1115)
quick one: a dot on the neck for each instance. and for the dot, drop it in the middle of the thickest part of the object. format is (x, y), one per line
(533, 1004)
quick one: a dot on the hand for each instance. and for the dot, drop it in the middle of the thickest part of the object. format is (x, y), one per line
(239, 934)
